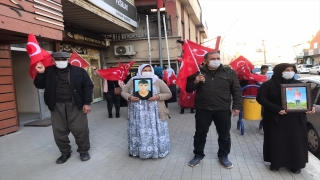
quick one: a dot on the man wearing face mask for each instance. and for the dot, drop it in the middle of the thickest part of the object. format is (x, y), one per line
(68, 95)
(214, 85)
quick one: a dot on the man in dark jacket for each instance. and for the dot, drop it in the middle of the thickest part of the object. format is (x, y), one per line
(214, 87)
(68, 95)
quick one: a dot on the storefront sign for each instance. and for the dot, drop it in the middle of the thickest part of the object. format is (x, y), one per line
(119, 8)
(85, 36)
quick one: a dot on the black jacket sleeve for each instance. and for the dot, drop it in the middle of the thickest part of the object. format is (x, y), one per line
(190, 86)
(39, 81)
(236, 91)
(87, 88)
(262, 98)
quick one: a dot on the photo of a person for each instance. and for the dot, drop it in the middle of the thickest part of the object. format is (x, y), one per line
(143, 88)
(297, 98)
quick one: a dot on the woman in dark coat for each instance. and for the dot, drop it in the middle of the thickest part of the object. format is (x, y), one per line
(285, 134)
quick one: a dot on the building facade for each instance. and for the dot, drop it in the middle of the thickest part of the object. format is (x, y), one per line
(312, 55)
(183, 20)
(68, 25)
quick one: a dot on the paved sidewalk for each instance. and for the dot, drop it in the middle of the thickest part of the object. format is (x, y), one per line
(31, 152)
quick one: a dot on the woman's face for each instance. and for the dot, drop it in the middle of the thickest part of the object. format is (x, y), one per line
(143, 87)
(147, 69)
(288, 69)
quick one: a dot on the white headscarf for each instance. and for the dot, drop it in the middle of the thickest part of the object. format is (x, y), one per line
(139, 73)
(170, 71)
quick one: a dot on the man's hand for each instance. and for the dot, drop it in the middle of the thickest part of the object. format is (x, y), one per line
(282, 112)
(199, 78)
(86, 109)
(154, 98)
(40, 68)
(235, 112)
(133, 98)
(313, 110)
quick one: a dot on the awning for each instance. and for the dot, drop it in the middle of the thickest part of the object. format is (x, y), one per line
(82, 14)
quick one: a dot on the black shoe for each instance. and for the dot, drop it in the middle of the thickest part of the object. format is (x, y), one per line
(84, 156)
(195, 161)
(192, 111)
(63, 158)
(182, 111)
(117, 115)
(295, 171)
(273, 168)
(110, 116)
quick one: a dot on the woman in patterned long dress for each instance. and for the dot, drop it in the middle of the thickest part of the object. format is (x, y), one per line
(148, 133)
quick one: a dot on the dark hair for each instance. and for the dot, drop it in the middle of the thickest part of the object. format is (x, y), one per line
(207, 54)
(143, 81)
(264, 67)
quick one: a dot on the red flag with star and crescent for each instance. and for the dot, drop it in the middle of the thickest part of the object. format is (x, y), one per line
(165, 77)
(199, 51)
(77, 60)
(172, 79)
(36, 55)
(125, 69)
(243, 68)
(111, 74)
(188, 67)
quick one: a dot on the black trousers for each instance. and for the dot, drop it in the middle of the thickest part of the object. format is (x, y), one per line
(67, 118)
(222, 121)
(112, 99)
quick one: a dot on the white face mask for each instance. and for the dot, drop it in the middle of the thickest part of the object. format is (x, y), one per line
(61, 64)
(147, 74)
(288, 75)
(214, 63)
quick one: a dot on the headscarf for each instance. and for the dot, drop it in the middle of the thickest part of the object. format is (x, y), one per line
(139, 73)
(170, 71)
(277, 73)
(158, 71)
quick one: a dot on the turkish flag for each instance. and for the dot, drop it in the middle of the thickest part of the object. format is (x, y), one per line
(199, 51)
(36, 55)
(125, 68)
(111, 74)
(243, 68)
(172, 80)
(188, 67)
(240, 62)
(186, 100)
(77, 60)
(159, 4)
(165, 77)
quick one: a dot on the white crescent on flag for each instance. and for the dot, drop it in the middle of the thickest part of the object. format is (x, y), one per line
(239, 63)
(35, 45)
(197, 50)
(76, 60)
(174, 82)
(119, 72)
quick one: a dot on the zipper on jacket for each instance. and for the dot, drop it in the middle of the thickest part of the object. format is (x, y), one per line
(70, 85)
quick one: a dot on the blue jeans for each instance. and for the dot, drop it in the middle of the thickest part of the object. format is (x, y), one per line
(222, 121)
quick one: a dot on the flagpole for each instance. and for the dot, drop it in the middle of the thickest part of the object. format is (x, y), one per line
(149, 49)
(165, 33)
(195, 61)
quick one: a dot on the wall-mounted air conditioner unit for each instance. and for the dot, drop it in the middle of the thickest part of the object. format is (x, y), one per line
(124, 50)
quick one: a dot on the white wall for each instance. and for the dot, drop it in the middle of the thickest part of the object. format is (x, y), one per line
(27, 94)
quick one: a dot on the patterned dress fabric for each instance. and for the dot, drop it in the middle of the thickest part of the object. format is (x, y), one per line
(148, 135)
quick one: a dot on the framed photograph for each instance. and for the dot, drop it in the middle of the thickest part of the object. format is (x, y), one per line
(296, 97)
(142, 88)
